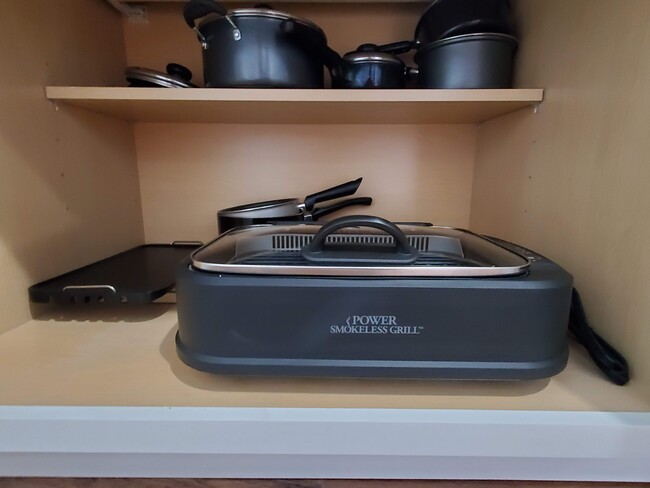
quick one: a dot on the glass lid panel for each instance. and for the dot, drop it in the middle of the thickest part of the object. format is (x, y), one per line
(276, 249)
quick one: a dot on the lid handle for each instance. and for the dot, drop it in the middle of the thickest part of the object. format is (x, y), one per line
(317, 251)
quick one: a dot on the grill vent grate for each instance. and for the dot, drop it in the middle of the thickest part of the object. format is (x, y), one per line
(295, 242)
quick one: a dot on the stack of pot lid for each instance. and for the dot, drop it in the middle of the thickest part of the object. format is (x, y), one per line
(177, 76)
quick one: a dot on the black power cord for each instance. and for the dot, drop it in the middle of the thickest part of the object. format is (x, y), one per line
(608, 359)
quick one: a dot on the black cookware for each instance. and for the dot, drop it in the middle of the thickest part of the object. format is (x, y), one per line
(177, 76)
(246, 48)
(369, 66)
(290, 209)
(467, 61)
(447, 18)
(360, 296)
(463, 44)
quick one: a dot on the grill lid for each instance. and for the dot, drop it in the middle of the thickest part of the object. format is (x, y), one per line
(362, 246)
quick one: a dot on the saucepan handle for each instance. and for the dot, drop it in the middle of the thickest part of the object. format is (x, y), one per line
(399, 47)
(317, 213)
(319, 251)
(338, 191)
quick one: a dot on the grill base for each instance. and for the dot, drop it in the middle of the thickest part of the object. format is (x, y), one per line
(497, 328)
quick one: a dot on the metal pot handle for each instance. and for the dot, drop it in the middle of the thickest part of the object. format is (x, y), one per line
(318, 251)
(196, 9)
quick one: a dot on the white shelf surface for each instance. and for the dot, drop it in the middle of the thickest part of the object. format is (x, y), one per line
(104, 394)
(288, 106)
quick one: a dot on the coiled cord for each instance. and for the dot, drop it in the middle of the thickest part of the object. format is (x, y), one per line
(608, 359)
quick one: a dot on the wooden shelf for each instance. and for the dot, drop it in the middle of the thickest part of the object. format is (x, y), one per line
(127, 357)
(285, 106)
(103, 393)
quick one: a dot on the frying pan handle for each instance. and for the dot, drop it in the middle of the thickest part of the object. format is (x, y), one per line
(315, 45)
(317, 251)
(343, 190)
(195, 9)
(399, 47)
(335, 207)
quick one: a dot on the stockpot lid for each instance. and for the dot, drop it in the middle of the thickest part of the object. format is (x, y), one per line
(260, 13)
(350, 250)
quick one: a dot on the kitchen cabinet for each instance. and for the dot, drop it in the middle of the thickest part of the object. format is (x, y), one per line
(90, 169)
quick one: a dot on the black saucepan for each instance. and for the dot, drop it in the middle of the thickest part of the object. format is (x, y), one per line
(290, 209)
(369, 66)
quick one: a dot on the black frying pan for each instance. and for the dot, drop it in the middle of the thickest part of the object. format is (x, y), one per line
(288, 209)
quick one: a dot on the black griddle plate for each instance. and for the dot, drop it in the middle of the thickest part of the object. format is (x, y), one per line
(139, 275)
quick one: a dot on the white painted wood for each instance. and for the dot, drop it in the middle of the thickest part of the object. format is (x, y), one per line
(317, 443)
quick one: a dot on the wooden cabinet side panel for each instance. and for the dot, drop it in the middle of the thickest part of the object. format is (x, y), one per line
(571, 181)
(68, 178)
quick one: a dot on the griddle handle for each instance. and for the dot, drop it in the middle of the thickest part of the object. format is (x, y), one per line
(318, 251)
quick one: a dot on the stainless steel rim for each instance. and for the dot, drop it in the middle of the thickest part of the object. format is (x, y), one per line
(270, 209)
(470, 37)
(359, 58)
(361, 271)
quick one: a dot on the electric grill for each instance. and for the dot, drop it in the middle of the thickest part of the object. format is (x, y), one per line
(362, 297)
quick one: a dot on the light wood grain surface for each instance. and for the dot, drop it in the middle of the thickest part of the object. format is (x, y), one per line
(277, 106)
(69, 188)
(571, 181)
(115, 357)
(189, 172)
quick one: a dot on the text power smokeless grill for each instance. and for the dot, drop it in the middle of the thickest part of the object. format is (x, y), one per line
(362, 297)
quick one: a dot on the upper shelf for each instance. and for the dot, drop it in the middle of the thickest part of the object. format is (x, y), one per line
(288, 106)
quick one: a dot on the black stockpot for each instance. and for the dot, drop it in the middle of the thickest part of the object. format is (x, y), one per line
(245, 48)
